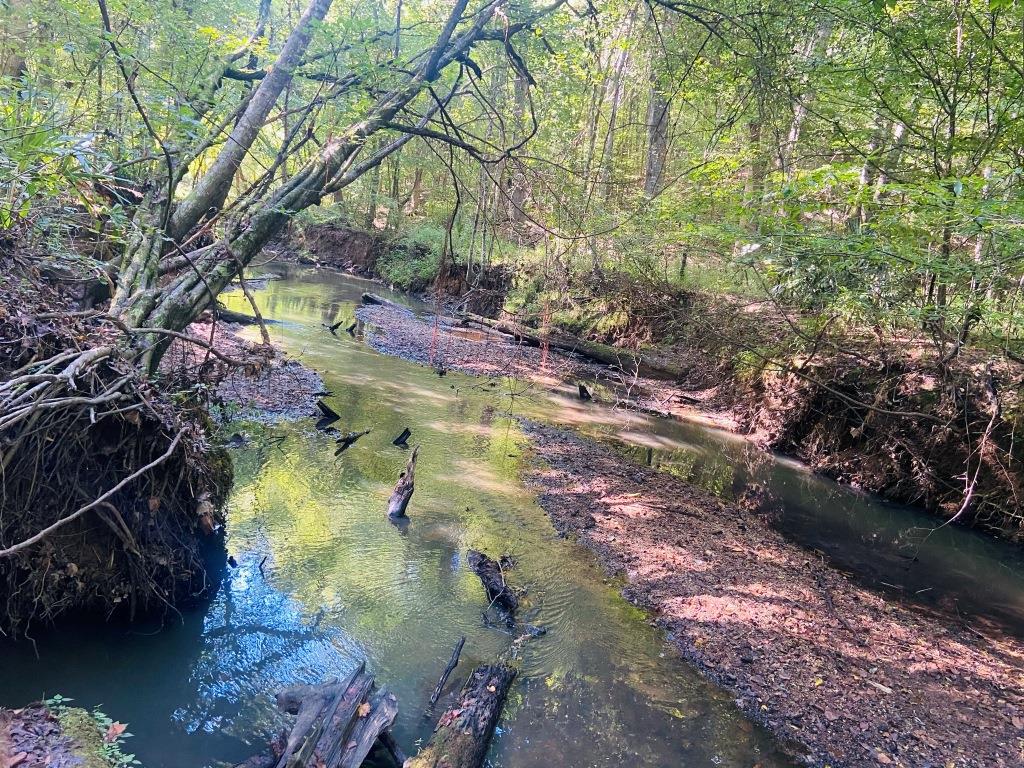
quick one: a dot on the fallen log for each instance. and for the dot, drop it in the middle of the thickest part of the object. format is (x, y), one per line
(624, 360)
(336, 724)
(452, 663)
(327, 411)
(493, 578)
(399, 500)
(464, 731)
(380, 301)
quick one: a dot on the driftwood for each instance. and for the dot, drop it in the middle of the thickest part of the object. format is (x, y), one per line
(399, 500)
(625, 360)
(452, 663)
(336, 724)
(493, 578)
(346, 440)
(380, 301)
(464, 731)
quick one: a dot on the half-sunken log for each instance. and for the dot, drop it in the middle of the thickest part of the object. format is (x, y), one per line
(464, 731)
(399, 500)
(499, 593)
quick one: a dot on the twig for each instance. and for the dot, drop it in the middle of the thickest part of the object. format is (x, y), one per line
(454, 662)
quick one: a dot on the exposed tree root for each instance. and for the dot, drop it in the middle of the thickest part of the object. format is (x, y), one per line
(109, 488)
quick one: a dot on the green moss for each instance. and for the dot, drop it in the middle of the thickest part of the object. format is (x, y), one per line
(81, 727)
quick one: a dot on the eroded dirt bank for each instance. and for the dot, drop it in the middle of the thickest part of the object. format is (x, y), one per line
(852, 678)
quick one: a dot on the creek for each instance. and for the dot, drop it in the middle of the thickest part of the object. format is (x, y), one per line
(339, 583)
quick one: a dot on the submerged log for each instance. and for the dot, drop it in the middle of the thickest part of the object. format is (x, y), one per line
(327, 411)
(493, 579)
(625, 360)
(399, 500)
(346, 440)
(464, 731)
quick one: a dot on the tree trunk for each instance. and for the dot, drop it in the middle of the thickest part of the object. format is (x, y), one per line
(813, 49)
(625, 360)
(464, 731)
(172, 304)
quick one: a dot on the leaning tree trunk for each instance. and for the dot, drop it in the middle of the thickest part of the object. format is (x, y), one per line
(145, 300)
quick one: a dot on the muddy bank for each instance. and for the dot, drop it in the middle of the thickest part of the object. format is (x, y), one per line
(854, 679)
(64, 737)
(268, 387)
(893, 422)
(445, 346)
(402, 262)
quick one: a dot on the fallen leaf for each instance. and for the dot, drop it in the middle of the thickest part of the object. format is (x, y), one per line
(1018, 722)
(491, 688)
(113, 732)
(13, 760)
(364, 709)
(154, 503)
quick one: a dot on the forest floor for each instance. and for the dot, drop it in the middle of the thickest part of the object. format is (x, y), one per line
(847, 675)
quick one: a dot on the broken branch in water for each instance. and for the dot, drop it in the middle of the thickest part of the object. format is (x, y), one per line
(464, 731)
(452, 663)
(493, 578)
(345, 441)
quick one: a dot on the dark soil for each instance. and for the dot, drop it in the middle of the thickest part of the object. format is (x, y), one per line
(852, 677)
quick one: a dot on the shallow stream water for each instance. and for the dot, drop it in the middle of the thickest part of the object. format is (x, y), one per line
(340, 584)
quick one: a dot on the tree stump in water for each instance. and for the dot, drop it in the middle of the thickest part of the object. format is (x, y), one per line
(464, 731)
(399, 500)
(493, 579)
